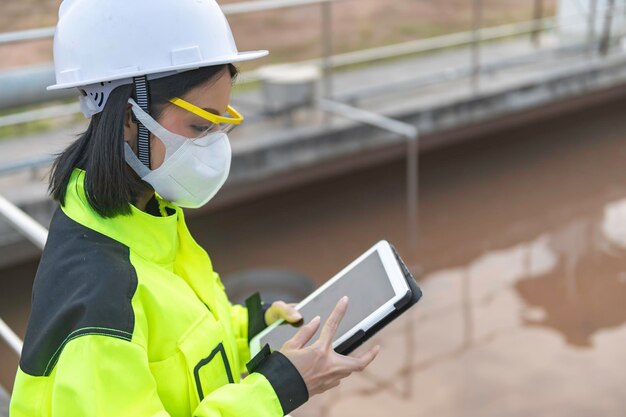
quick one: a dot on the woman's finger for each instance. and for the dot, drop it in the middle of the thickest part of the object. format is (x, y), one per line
(304, 335)
(289, 313)
(279, 310)
(332, 324)
(361, 362)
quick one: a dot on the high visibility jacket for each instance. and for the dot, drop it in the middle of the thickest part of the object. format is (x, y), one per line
(129, 319)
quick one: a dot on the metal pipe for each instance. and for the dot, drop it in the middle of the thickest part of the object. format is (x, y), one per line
(11, 338)
(370, 118)
(468, 322)
(412, 193)
(264, 5)
(32, 163)
(26, 35)
(50, 112)
(25, 86)
(23, 223)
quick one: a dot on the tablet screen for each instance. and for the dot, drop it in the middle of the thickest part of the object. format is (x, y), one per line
(368, 288)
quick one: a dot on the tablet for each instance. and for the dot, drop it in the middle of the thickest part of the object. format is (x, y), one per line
(377, 284)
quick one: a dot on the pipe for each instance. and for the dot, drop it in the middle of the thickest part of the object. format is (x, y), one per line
(24, 224)
(11, 338)
(25, 86)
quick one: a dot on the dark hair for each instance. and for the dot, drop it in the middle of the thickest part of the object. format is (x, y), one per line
(110, 184)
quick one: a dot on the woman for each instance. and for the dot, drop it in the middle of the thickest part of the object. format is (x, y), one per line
(128, 316)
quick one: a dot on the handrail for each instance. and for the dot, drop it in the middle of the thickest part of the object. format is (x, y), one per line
(450, 74)
(339, 60)
(26, 35)
(24, 164)
(441, 42)
(265, 5)
(431, 44)
(34, 232)
(24, 224)
(11, 338)
(228, 9)
(49, 112)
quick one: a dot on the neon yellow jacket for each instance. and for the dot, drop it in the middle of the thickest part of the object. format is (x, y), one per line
(129, 319)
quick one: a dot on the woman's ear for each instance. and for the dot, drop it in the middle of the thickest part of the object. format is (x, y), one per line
(130, 129)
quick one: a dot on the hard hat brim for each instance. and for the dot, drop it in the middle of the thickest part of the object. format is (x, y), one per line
(232, 59)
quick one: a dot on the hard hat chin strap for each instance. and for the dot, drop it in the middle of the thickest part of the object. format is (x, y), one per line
(142, 98)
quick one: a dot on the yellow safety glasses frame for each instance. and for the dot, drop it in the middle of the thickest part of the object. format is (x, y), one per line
(226, 124)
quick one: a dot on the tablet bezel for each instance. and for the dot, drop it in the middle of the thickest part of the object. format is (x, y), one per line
(394, 274)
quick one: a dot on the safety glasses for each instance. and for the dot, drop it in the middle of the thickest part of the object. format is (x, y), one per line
(220, 123)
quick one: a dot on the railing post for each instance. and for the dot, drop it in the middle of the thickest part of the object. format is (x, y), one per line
(412, 193)
(327, 49)
(477, 18)
(591, 27)
(538, 19)
(605, 42)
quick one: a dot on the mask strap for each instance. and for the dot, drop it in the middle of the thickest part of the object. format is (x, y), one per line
(171, 140)
(134, 162)
(142, 95)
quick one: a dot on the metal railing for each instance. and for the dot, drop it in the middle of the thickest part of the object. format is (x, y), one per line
(34, 232)
(13, 340)
(228, 9)
(327, 62)
(23, 223)
(408, 132)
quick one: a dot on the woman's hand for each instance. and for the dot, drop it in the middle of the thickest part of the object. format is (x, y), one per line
(320, 366)
(281, 310)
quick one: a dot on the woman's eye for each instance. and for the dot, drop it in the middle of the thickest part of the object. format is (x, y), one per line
(200, 129)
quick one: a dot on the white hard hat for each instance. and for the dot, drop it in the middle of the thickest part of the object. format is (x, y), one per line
(100, 41)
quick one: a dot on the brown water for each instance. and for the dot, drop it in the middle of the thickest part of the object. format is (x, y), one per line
(521, 255)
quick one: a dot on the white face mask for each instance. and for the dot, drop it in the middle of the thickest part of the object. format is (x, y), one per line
(193, 170)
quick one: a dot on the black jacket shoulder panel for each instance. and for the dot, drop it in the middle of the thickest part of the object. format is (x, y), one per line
(84, 285)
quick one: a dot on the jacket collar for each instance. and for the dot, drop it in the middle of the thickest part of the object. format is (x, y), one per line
(153, 238)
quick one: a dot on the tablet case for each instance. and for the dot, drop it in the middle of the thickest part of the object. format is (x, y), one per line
(412, 297)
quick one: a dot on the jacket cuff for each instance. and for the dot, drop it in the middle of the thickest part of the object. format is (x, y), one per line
(287, 382)
(256, 315)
